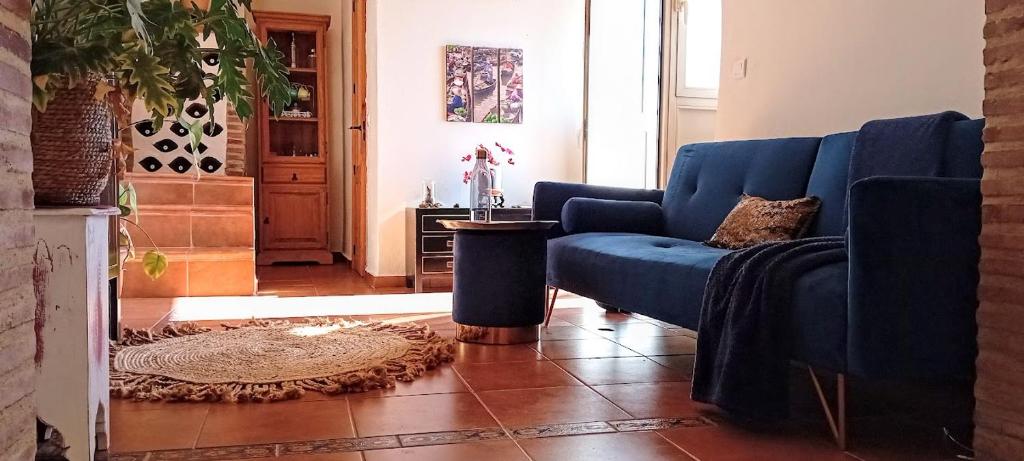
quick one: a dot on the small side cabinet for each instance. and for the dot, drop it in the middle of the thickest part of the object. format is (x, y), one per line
(429, 246)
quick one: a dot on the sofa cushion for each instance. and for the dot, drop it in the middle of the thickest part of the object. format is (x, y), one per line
(549, 198)
(661, 277)
(708, 179)
(755, 220)
(581, 214)
(828, 182)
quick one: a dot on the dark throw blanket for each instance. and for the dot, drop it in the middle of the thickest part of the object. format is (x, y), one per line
(911, 146)
(742, 350)
(742, 347)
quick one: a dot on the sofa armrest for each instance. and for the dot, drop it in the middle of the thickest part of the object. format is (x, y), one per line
(550, 197)
(913, 246)
(582, 214)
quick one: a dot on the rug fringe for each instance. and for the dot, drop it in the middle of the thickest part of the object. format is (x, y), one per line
(428, 351)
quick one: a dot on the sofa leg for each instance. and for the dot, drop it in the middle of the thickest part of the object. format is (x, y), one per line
(837, 421)
(550, 300)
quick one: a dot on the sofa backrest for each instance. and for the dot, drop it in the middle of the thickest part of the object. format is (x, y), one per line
(963, 150)
(828, 183)
(708, 179)
(829, 177)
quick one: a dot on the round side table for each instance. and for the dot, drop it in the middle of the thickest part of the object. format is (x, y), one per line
(499, 280)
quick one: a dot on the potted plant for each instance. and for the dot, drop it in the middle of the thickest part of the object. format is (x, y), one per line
(92, 59)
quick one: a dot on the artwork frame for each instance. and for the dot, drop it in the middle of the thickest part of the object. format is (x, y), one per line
(510, 84)
(483, 84)
(458, 73)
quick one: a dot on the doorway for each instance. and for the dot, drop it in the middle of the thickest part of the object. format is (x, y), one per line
(357, 132)
(622, 92)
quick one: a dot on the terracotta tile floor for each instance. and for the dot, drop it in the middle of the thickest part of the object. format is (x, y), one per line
(314, 280)
(586, 391)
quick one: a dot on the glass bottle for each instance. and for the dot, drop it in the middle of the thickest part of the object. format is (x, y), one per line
(480, 188)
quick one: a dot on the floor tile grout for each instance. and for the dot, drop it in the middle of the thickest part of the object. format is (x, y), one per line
(592, 388)
(514, 435)
(351, 416)
(202, 427)
(491, 413)
(691, 455)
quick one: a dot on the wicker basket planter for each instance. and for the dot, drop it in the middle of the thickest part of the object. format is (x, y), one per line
(72, 148)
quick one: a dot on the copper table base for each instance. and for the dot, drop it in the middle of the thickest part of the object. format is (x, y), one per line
(496, 335)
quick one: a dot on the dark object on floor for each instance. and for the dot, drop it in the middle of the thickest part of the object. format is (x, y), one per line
(612, 309)
(50, 444)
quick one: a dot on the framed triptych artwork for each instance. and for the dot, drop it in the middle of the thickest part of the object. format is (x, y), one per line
(483, 85)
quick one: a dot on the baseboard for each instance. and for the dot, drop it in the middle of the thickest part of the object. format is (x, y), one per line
(386, 281)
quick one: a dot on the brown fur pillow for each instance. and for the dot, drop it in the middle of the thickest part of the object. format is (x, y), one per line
(756, 220)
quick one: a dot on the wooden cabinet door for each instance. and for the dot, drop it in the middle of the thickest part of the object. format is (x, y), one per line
(294, 217)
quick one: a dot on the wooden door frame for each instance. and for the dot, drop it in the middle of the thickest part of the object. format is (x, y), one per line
(358, 134)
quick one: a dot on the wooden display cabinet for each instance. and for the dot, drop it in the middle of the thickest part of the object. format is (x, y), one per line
(293, 180)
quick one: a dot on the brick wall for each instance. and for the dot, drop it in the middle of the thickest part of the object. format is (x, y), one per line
(17, 339)
(999, 414)
(235, 160)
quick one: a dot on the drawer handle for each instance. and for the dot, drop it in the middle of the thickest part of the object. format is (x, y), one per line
(449, 243)
(295, 176)
(449, 264)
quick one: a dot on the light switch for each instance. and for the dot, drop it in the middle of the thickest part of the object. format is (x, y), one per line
(739, 69)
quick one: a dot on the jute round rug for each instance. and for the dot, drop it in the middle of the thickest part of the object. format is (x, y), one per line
(270, 361)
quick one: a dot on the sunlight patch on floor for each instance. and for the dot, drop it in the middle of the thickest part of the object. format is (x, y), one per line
(245, 307)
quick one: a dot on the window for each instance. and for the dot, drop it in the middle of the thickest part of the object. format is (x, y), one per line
(699, 48)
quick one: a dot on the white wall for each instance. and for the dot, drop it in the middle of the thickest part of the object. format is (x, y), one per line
(408, 138)
(821, 66)
(339, 79)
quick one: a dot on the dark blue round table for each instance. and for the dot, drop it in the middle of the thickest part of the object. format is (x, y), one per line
(499, 280)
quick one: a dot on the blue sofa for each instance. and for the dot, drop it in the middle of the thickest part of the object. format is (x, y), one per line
(902, 307)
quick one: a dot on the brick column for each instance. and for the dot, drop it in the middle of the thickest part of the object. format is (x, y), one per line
(234, 164)
(17, 302)
(999, 415)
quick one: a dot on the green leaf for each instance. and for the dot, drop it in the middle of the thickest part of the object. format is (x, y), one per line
(138, 20)
(150, 79)
(195, 132)
(40, 96)
(271, 74)
(154, 264)
(181, 54)
(128, 201)
(124, 239)
(151, 50)
(232, 82)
